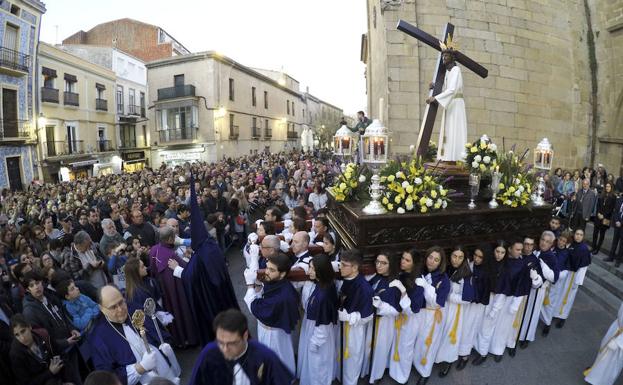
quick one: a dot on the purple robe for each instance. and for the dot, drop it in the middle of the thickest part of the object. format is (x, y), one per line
(183, 329)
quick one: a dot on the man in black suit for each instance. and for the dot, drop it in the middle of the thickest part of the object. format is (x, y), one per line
(617, 240)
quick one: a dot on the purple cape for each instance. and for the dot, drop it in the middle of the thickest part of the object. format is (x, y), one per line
(322, 305)
(356, 295)
(579, 256)
(259, 363)
(278, 307)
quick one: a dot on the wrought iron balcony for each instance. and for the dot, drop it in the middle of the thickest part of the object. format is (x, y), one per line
(58, 148)
(101, 104)
(134, 110)
(11, 129)
(129, 143)
(104, 145)
(292, 135)
(176, 92)
(268, 132)
(49, 95)
(71, 98)
(14, 61)
(185, 133)
(142, 112)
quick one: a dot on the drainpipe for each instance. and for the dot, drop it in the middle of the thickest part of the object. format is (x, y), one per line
(592, 60)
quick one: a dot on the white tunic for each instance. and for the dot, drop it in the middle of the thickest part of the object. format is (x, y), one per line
(276, 339)
(315, 367)
(453, 119)
(403, 346)
(574, 280)
(453, 325)
(609, 361)
(505, 334)
(429, 337)
(473, 317)
(492, 314)
(385, 333)
(353, 339)
(534, 304)
(553, 298)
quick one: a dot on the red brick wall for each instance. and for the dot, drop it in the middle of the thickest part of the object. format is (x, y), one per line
(136, 38)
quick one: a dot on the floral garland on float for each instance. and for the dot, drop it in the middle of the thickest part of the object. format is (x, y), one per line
(409, 187)
(515, 187)
(481, 156)
(351, 184)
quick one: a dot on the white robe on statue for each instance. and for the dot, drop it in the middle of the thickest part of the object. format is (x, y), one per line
(609, 361)
(453, 119)
(553, 298)
(315, 368)
(453, 325)
(571, 285)
(403, 347)
(276, 339)
(491, 318)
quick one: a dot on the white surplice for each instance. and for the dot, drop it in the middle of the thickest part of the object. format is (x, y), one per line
(473, 317)
(403, 346)
(492, 314)
(453, 119)
(507, 329)
(453, 325)
(565, 302)
(553, 298)
(429, 336)
(609, 361)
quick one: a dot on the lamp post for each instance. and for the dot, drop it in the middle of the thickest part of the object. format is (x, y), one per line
(375, 145)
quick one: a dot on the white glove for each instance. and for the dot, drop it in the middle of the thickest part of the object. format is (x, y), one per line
(252, 238)
(257, 223)
(342, 315)
(533, 274)
(148, 361)
(313, 347)
(429, 278)
(164, 317)
(182, 241)
(283, 246)
(287, 236)
(398, 285)
(612, 345)
(429, 294)
(336, 266)
(376, 301)
(166, 349)
(420, 282)
(250, 276)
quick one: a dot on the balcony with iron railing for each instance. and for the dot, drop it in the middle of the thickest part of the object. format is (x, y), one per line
(234, 132)
(59, 148)
(173, 134)
(14, 130)
(142, 112)
(176, 92)
(101, 104)
(134, 109)
(268, 133)
(14, 62)
(104, 145)
(128, 143)
(71, 98)
(292, 135)
(256, 132)
(49, 95)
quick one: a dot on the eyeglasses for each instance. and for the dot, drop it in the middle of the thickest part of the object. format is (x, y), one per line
(229, 344)
(116, 306)
(382, 263)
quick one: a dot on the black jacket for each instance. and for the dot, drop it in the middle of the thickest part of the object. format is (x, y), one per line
(39, 317)
(30, 369)
(6, 336)
(145, 233)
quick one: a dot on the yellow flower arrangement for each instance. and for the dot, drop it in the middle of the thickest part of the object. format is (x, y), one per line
(350, 183)
(481, 156)
(516, 184)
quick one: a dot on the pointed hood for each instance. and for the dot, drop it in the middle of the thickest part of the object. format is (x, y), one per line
(198, 231)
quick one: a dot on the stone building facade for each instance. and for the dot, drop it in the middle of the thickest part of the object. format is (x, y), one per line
(208, 106)
(77, 136)
(20, 21)
(554, 71)
(144, 41)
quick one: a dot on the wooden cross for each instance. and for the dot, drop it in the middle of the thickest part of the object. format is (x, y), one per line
(440, 70)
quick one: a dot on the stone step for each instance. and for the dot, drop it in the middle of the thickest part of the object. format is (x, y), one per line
(606, 279)
(599, 260)
(600, 295)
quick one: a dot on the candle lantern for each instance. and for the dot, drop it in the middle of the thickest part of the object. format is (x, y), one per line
(543, 155)
(343, 142)
(375, 146)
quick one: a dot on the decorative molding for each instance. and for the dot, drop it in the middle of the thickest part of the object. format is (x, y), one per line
(614, 25)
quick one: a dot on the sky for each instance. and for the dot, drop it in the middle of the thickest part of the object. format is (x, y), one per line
(317, 42)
